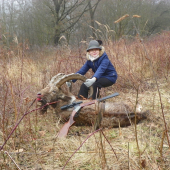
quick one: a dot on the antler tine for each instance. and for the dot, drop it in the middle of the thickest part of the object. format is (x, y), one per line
(72, 76)
(55, 79)
(68, 77)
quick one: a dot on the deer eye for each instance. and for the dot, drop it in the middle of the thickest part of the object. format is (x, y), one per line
(54, 91)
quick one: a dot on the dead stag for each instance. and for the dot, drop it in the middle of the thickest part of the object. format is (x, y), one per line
(115, 114)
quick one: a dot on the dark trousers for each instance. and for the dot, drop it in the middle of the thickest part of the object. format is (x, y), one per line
(102, 82)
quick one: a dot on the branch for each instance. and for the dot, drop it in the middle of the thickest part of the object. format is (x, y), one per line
(75, 21)
(70, 10)
(95, 6)
(80, 147)
(26, 113)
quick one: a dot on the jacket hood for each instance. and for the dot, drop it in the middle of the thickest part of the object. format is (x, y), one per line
(100, 53)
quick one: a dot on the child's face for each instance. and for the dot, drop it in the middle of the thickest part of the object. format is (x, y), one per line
(94, 52)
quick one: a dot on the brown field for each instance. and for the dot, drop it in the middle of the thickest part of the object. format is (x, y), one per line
(143, 68)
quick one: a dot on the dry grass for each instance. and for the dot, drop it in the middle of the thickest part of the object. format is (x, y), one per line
(34, 145)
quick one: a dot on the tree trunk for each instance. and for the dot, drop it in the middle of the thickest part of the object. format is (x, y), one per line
(56, 37)
(92, 12)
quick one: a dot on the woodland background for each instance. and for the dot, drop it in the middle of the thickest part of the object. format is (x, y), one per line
(42, 22)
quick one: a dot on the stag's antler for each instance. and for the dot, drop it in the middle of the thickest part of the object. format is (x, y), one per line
(62, 78)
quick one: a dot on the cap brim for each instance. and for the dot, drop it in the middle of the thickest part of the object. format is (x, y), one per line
(94, 47)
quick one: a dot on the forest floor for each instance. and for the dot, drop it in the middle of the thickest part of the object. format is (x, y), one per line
(117, 148)
(143, 76)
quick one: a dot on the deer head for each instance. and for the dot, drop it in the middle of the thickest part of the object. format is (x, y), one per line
(53, 91)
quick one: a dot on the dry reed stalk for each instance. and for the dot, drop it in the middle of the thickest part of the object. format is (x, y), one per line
(136, 133)
(160, 98)
(16, 113)
(136, 16)
(17, 124)
(159, 93)
(98, 23)
(161, 146)
(62, 37)
(15, 39)
(12, 159)
(97, 125)
(61, 152)
(103, 156)
(80, 147)
(3, 118)
(13, 100)
(128, 157)
(121, 18)
(110, 145)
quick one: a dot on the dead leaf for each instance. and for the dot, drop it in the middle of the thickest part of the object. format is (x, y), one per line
(19, 150)
(143, 163)
(42, 133)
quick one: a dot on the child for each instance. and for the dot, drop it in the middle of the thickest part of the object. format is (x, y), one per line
(104, 72)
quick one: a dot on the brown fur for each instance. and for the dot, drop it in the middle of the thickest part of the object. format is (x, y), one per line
(115, 114)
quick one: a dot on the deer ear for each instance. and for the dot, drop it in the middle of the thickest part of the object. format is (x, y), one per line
(100, 42)
(64, 97)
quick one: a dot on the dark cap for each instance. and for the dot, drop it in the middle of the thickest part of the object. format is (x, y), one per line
(94, 44)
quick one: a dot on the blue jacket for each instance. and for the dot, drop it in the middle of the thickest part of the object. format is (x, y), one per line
(102, 67)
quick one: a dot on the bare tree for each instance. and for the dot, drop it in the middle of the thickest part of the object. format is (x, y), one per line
(92, 10)
(42, 22)
(66, 15)
(160, 18)
(153, 16)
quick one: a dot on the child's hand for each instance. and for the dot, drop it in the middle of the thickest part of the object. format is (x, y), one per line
(89, 82)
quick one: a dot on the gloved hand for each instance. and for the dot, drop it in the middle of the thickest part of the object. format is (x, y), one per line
(68, 83)
(89, 82)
